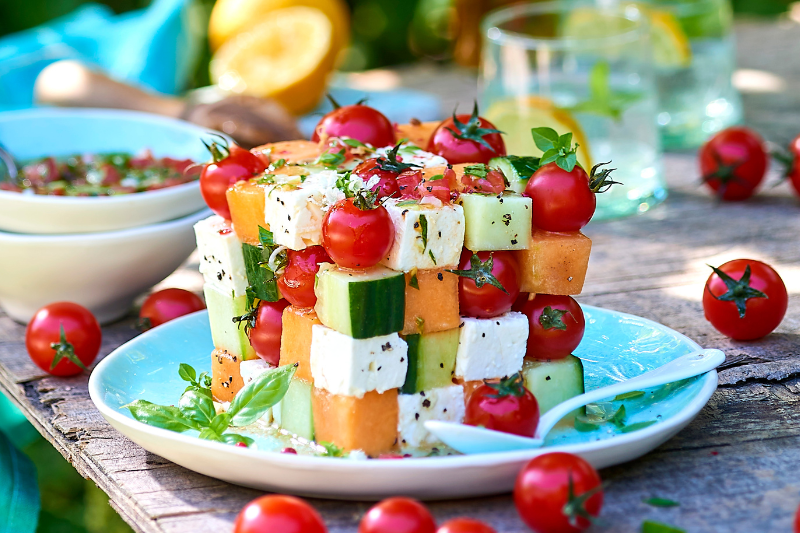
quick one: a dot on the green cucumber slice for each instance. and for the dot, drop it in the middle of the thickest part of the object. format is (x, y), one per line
(553, 382)
(431, 360)
(516, 169)
(361, 304)
(496, 222)
(296, 414)
(225, 333)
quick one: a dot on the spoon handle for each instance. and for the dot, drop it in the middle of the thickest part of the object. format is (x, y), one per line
(684, 367)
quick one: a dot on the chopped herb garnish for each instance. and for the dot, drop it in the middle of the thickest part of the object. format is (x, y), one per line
(405, 203)
(479, 171)
(637, 426)
(660, 502)
(433, 258)
(629, 395)
(413, 282)
(437, 177)
(266, 179)
(423, 224)
(332, 450)
(332, 159)
(598, 414)
(648, 526)
(420, 323)
(353, 143)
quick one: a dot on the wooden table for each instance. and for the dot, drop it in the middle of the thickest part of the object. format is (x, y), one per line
(734, 469)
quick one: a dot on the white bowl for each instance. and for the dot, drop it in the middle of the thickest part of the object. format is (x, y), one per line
(41, 132)
(104, 272)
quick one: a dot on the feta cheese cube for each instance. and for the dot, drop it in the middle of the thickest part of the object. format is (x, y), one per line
(253, 368)
(491, 347)
(425, 236)
(343, 365)
(221, 259)
(445, 403)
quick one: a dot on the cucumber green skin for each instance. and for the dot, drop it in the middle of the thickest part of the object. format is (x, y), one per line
(494, 223)
(226, 334)
(566, 381)
(431, 360)
(258, 276)
(362, 308)
(516, 169)
(296, 412)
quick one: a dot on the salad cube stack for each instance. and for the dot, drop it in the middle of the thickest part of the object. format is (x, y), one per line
(385, 348)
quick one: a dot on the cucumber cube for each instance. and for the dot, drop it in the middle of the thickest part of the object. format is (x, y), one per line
(555, 381)
(361, 304)
(431, 360)
(496, 222)
(296, 414)
(225, 333)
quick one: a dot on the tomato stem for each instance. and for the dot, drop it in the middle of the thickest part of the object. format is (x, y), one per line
(576, 504)
(472, 130)
(480, 272)
(508, 386)
(600, 180)
(739, 291)
(390, 162)
(64, 349)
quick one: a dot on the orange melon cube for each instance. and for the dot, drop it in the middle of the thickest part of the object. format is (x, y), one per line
(246, 201)
(418, 133)
(554, 263)
(226, 380)
(296, 340)
(300, 151)
(434, 305)
(368, 423)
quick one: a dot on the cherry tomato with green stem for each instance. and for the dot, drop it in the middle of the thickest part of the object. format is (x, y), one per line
(467, 139)
(296, 283)
(488, 283)
(359, 122)
(357, 232)
(733, 163)
(284, 514)
(168, 304)
(63, 338)
(265, 330)
(556, 325)
(505, 406)
(398, 515)
(229, 164)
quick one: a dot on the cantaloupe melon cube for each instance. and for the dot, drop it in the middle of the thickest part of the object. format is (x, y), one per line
(226, 380)
(418, 133)
(296, 340)
(368, 423)
(434, 305)
(554, 263)
(246, 201)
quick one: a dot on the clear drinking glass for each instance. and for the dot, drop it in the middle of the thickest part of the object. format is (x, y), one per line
(694, 59)
(581, 68)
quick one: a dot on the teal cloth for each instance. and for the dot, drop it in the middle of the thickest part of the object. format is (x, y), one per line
(155, 48)
(19, 506)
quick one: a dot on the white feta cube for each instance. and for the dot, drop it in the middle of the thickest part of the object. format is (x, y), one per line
(294, 212)
(445, 403)
(425, 236)
(253, 368)
(343, 365)
(491, 347)
(221, 258)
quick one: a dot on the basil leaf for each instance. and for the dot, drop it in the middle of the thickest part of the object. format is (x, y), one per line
(210, 434)
(637, 426)
(545, 138)
(423, 224)
(255, 398)
(235, 438)
(332, 450)
(353, 143)
(198, 407)
(161, 416)
(629, 395)
(220, 423)
(187, 373)
(263, 283)
(660, 502)
(648, 526)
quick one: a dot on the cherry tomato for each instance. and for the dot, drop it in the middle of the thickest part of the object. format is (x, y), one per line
(745, 299)
(483, 299)
(520, 302)
(541, 493)
(387, 179)
(398, 515)
(63, 338)
(794, 168)
(278, 513)
(465, 525)
(356, 233)
(467, 139)
(562, 201)
(797, 521)
(556, 326)
(506, 406)
(167, 304)
(297, 281)
(265, 335)
(359, 122)
(228, 166)
(733, 163)
(479, 178)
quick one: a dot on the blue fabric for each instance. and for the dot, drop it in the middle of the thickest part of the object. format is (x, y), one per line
(154, 48)
(19, 506)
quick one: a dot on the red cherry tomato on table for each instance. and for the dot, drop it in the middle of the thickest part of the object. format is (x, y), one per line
(387, 179)
(359, 122)
(542, 493)
(168, 304)
(398, 515)
(356, 233)
(67, 353)
(467, 139)
(797, 521)
(229, 165)
(506, 406)
(265, 335)
(465, 525)
(297, 281)
(477, 295)
(747, 301)
(556, 326)
(794, 165)
(279, 513)
(733, 163)
(561, 200)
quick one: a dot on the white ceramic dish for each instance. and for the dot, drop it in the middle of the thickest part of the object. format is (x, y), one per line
(41, 132)
(616, 346)
(104, 272)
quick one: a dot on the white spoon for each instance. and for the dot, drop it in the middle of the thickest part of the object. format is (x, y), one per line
(472, 439)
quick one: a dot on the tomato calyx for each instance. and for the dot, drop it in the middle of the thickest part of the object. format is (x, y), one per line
(725, 174)
(553, 318)
(65, 350)
(480, 272)
(365, 200)
(576, 504)
(248, 318)
(599, 178)
(508, 386)
(739, 291)
(472, 130)
(555, 148)
(218, 150)
(390, 162)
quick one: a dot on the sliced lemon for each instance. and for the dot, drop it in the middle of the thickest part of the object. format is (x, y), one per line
(671, 48)
(516, 117)
(231, 17)
(287, 56)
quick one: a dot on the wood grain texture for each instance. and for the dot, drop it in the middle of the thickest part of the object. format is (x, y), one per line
(733, 469)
